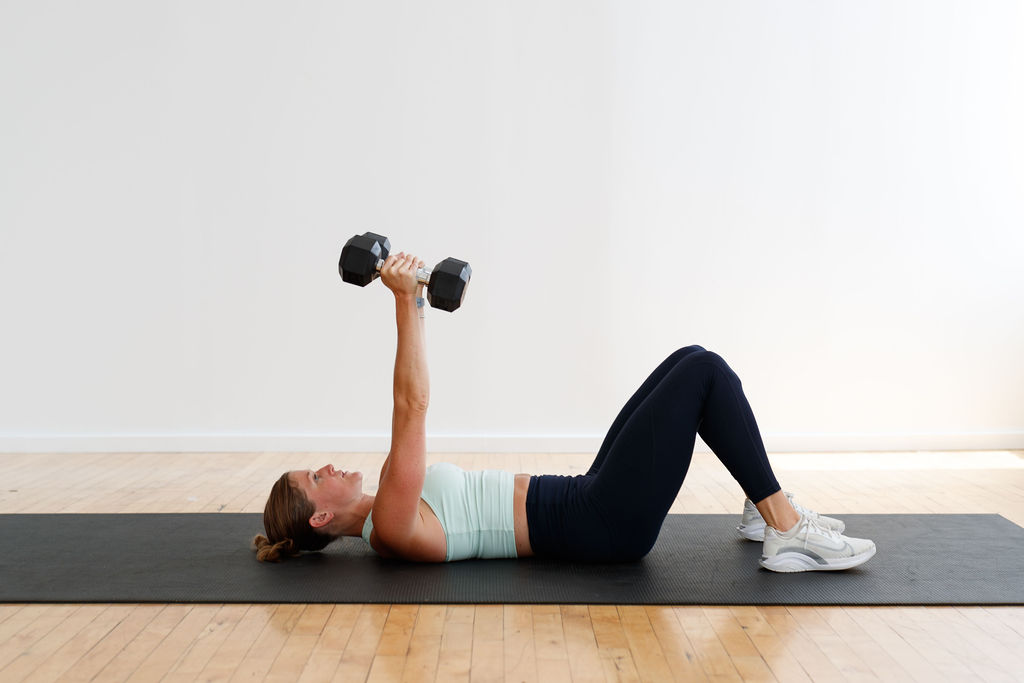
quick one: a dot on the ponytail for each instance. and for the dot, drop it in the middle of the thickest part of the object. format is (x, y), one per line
(286, 520)
(273, 552)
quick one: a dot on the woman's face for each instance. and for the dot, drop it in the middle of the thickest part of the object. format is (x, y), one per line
(328, 489)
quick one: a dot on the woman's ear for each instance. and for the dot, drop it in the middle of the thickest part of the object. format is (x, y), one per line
(319, 519)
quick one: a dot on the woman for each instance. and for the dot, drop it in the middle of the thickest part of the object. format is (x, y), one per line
(612, 513)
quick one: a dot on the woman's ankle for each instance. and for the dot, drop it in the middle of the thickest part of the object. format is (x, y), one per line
(778, 513)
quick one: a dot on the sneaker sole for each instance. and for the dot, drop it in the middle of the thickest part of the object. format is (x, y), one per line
(798, 562)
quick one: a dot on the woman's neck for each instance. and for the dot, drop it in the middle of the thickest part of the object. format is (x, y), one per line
(351, 524)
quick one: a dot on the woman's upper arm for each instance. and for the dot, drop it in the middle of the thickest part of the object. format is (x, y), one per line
(396, 508)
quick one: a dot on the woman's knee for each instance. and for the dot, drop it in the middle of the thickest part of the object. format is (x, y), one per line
(701, 357)
(710, 357)
(682, 353)
(698, 353)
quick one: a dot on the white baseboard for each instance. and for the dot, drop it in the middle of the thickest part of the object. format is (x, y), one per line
(483, 443)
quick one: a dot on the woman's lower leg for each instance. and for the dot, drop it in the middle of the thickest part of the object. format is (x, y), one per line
(729, 428)
(778, 512)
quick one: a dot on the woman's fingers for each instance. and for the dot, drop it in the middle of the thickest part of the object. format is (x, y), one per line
(408, 262)
(402, 262)
(395, 261)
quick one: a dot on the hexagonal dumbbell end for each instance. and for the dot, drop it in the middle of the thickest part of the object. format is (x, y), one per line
(448, 283)
(359, 257)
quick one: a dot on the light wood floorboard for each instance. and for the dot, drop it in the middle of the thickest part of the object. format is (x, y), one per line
(185, 642)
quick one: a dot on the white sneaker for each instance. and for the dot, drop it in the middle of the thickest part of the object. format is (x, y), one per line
(752, 525)
(811, 546)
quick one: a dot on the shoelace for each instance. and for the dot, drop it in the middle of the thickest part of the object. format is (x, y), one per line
(802, 510)
(812, 524)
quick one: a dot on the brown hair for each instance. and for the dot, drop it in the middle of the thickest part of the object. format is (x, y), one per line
(286, 521)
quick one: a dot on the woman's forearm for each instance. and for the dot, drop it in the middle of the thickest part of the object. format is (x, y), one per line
(412, 382)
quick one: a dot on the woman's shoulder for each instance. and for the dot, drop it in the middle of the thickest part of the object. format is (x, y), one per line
(427, 543)
(424, 546)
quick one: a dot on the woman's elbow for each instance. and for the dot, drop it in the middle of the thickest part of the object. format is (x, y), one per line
(412, 405)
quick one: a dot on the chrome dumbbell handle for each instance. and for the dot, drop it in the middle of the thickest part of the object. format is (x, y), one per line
(422, 274)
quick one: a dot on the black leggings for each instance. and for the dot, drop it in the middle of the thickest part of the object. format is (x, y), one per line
(614, 512)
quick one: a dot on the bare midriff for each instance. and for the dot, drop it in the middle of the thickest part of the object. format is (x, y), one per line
(523, 548)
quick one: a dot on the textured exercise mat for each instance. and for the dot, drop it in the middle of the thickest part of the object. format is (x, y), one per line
(698, 560)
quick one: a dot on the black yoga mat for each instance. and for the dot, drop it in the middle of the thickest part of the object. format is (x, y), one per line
(698, 560)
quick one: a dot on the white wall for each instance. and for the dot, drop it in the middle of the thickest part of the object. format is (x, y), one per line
(829, 194)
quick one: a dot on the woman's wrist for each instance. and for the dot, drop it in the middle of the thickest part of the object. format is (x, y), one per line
(419, 301)
(410, 304)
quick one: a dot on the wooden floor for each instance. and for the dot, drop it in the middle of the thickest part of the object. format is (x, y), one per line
(182, 642)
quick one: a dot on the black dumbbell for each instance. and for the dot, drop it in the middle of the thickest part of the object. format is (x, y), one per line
(363, 256)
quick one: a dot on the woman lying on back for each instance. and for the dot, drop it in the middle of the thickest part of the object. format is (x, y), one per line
(612, 513)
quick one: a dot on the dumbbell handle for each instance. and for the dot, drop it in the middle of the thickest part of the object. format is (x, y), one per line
(422, 274)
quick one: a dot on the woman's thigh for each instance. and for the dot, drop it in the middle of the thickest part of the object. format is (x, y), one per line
(645, 465)
(638, 397)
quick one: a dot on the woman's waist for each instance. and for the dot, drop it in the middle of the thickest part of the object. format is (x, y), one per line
(476, 510)
(522, 487)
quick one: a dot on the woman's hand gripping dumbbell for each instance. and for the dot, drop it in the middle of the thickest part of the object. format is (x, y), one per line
(363, 256)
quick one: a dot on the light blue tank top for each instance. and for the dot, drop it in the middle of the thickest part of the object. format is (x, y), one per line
(474, 508)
